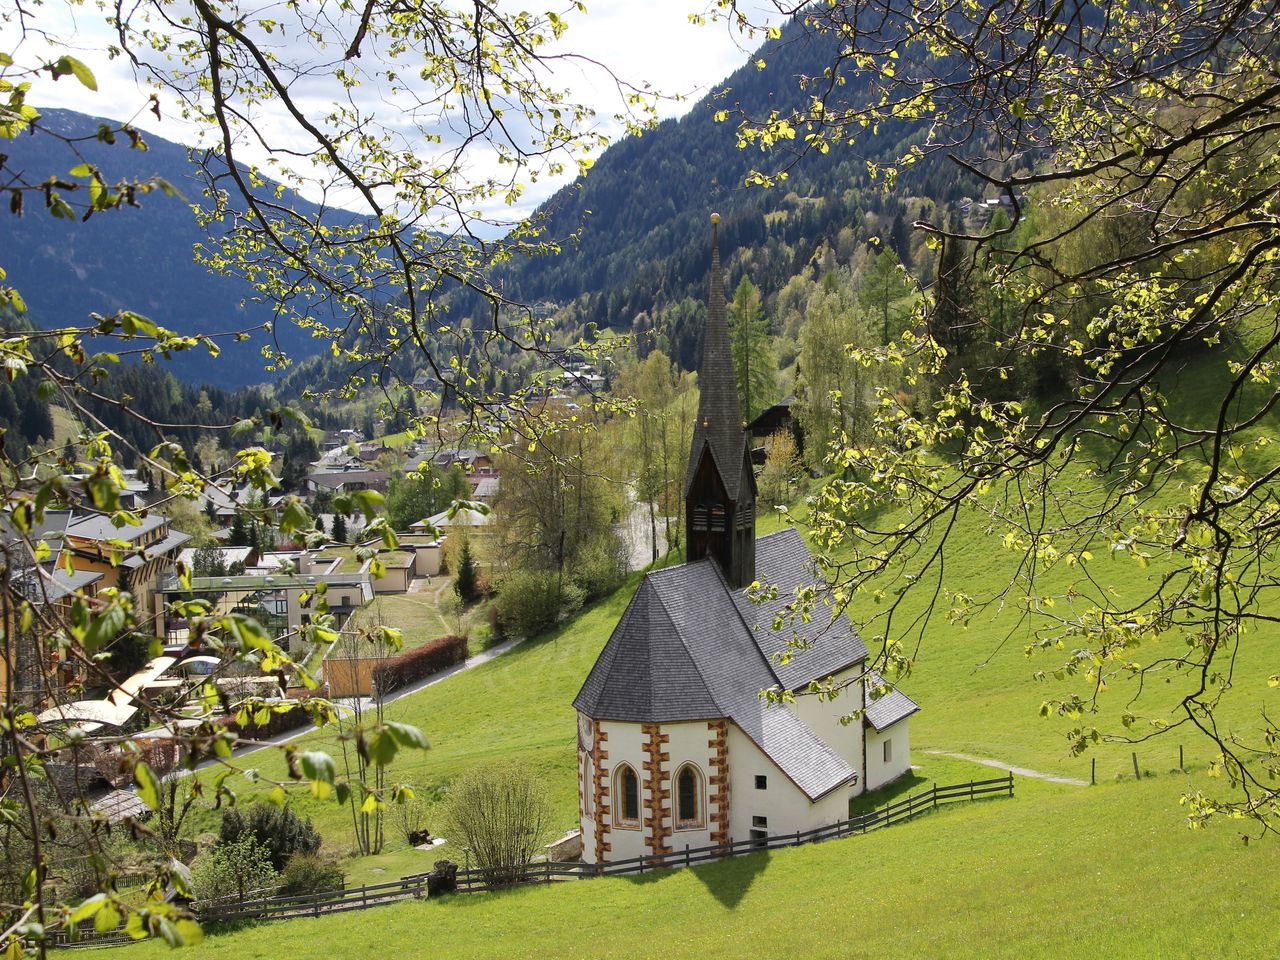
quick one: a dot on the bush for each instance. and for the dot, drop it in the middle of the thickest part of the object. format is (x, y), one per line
(502, 813)
(532, 601)
(601, 566)
(278, 830)
(413, 665)
(234, 868)
(308, 873)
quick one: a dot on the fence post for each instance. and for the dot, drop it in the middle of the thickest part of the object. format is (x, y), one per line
(686, 854)
(1137, 775)
(797, 843)
(1181, 765)
(934, 791)
(1093, 772)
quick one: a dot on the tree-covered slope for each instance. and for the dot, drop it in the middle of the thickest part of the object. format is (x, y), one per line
(135, 258)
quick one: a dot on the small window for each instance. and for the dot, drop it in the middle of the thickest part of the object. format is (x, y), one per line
(760, 838)
(762, 822)
(688, 797)
(888, 751)
(762, 782)
(627, 785)
(700, 518)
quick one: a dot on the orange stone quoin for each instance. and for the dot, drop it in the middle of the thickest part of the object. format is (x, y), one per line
(659, 790)
(719, 779)
(600, 790)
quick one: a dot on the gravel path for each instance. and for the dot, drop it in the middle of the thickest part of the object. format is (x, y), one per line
(1001, 765)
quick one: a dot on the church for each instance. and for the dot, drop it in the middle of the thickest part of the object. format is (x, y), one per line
(676, 746)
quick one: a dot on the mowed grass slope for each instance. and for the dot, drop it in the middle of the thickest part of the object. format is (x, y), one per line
(516, 708)
(1055, 872)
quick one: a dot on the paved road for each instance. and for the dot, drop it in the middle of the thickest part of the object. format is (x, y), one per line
(636, 534)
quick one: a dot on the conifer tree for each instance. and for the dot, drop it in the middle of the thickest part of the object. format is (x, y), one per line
(754, 365)
(466, 586)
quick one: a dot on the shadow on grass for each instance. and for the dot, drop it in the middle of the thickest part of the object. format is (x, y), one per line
(910, 783)
(728, 880)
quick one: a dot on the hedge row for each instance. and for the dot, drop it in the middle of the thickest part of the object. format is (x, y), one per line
(420, 662)
(276, 724)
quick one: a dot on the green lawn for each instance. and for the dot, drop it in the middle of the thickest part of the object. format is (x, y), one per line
(1060, 871)
(1055, 872)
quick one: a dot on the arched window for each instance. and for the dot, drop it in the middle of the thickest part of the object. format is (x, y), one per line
(626, 787)
(689, 805)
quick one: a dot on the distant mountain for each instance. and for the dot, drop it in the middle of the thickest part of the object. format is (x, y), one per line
(135, 258)
(641, 261)
(643, 208)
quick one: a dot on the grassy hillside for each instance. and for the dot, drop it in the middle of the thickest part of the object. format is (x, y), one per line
(1057, 871)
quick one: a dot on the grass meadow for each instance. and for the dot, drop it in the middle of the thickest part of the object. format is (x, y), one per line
(1109, 870)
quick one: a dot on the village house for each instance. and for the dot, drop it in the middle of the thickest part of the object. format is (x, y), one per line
(676, 745)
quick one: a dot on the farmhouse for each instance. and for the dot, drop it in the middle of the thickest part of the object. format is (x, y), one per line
(676, 746)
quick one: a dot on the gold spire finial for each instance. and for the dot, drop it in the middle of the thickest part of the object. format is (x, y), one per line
(715, 219)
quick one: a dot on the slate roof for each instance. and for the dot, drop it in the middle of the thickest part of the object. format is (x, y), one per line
(98, 527)
(887, 710)
(719, 421)
(823, 646)
(685, 649)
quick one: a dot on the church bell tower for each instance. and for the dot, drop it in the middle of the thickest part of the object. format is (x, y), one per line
(720, 487)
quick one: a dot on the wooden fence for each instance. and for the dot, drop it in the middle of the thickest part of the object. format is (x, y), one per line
(419, 886)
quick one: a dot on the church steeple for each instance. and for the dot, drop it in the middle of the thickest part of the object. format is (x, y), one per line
(720, 488)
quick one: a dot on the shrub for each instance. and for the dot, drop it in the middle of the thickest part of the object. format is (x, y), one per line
(502, 813)
(601, 566)
(413, 665)
(309, 873)
(278, 830)
(233, 868)
(532, 601)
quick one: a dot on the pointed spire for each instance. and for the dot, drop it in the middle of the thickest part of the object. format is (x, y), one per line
(719, 422)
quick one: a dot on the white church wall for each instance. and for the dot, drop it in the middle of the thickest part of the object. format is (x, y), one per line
(628, 743)
(879, 769)
(586, 807)
(823, 718)
(783, 806)
(689, 743)
(625, 744)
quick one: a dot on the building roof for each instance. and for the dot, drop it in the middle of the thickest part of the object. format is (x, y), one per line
(825, 645)
(338, 478)
(98, 527)
(719, 422)
(886, 710)
(689, 647)
(229, 554)
(466, 517)
(173, 540)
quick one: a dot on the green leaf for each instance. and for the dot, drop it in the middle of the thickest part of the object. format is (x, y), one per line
(88, 908)
(107, 918)
(318, 765)
(70, 65)
(148, 785)
(407, 735)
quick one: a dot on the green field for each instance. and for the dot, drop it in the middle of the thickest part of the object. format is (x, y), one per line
(1110, 870)
(1056, 872)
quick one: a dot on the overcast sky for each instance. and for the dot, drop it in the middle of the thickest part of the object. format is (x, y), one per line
(643, 41)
